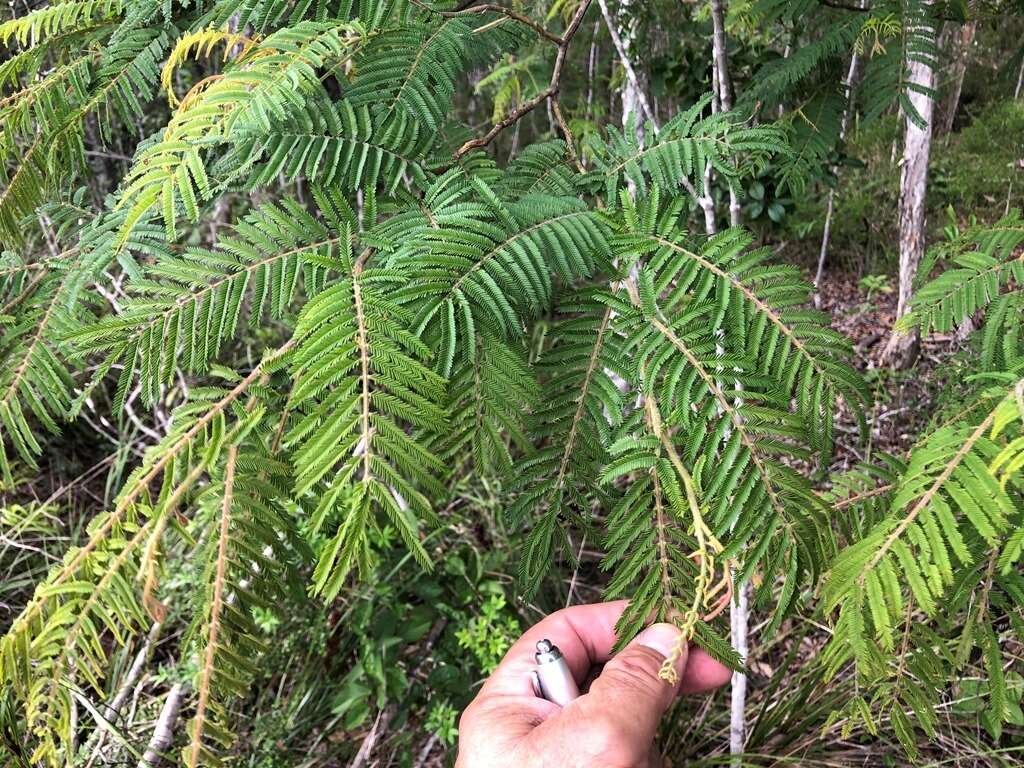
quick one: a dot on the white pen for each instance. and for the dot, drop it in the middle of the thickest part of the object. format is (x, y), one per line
(553, 679)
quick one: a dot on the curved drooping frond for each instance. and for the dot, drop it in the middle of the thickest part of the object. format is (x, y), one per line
(247, 564)
(266, 15)
(44, 102)
(813, 132)
(330, 144)
(490, 397)
(776, 80)
(280, 70)
(109, 79)
(698, 353)
(944, 540)
(449, 199)
(126, 80)
(541, 168)
(360, 380)
(678, 152)
(59, 634)
(988, 260)
(43, 299)
(409, 73)
(947, 495)
(35, 377)
(792, 345)
(41, 23)
(59, 638)
(911, 27)
(188, 306)
(498, 271)
(658, 544)
(580, 403)
(721, 344)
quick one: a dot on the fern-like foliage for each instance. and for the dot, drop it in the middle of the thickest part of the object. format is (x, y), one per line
(281, 69)
(497, 270)
(371, 323)
(95, 590)
(35, 381)
(988, 263)
(189, 305)
(813, 132)
(678, 153)
(945, 539)
(95, 75)
(828, 39)
(941, 536)
(490, 398)
(410, 72)
(719, 412)
(792, 345)
(249, 562)
(337, 145)
(360, 378)
(571, 429)
(912, 29)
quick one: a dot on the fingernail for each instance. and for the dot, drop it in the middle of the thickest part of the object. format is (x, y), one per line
(663, 638)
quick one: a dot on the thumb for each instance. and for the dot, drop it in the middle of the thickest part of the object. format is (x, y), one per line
(627, 700)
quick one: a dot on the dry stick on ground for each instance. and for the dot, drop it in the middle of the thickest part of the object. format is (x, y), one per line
(163, 733)
(551, 92)
(113, 709)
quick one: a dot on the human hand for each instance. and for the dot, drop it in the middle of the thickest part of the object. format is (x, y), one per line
(611, 725)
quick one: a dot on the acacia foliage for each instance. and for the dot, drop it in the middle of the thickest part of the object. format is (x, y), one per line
(423, 320)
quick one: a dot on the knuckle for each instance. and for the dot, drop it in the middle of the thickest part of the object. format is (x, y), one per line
(638, 670)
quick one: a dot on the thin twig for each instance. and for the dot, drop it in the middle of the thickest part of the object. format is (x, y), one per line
(491, 8)
(550, 92)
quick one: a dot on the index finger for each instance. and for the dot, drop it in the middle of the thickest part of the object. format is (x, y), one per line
(585, 634)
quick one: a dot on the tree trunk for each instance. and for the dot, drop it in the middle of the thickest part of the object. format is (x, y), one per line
(634, 100)
(851, 75)
(723, 89)
(739, 608)
(902, 348)
(962, 46)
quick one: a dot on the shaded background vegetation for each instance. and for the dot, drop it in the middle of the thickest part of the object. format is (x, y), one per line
(377, 676)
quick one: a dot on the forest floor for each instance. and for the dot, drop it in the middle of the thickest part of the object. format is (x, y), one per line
(904, 401)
